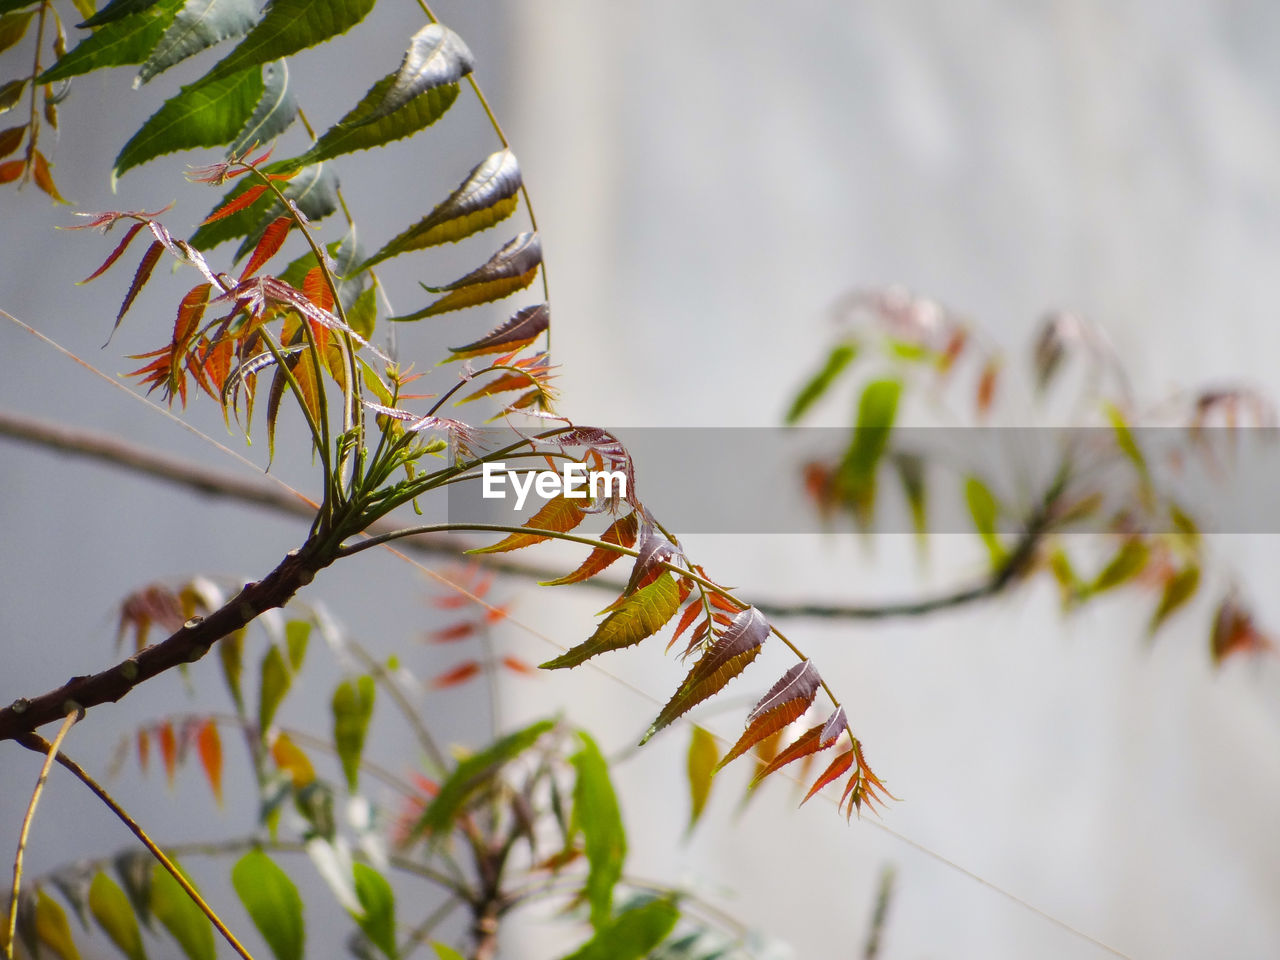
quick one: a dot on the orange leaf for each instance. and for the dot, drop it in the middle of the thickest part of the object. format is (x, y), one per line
(838, 766)
(209, 747)
(11, 170)
(785, 702)
(987, 387)
(168, 750)
(459, 631)
(44, 179)
(516, 665)
(115, 254)
(272, 239)
(813, 740)
(316, 289)
(560, 515)
(144, 750)
(622, 532)
(290, 759)
(459, 674)
(235, 204)
(140, 278)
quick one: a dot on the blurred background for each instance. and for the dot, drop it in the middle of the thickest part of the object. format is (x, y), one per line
(709, 180)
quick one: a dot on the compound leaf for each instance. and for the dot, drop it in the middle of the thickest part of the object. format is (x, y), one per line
(640, 615)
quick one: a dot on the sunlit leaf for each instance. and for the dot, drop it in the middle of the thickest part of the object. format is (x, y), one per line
(118, 43)
(488, 195)
(701, 765)
(786, 701)
(10, 94)
(856, 477)
(727, 657)
(209, 748)
(821, 382)
(52, 928)
(276, 677)
(561, 515)
(445, 952)
(200, 24)
(313, 189)
(115, 10)
(436, 56)
(272, 902)
(596, 814)
(632, 935)
(272, 239)
(297, 633)
(200, 115)
(510, 269)
(236, 204)
(641, 615)
(180, 916)
(1178, 589)
(111, 908)
(378, 903)
(515, 333)
(352, 709)
(622, 532)
(276, 110)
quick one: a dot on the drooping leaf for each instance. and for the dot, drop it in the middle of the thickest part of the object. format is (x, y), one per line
(10, 94)
(436, 56)
(209, 748)
(352, 709)
(488, 195)
(510, 269)
(13, 27)
(115, 10)
(111, 908)
(168, 750)
(121, 42)
(727, 657)
(701, 766)
(52, 928)
(297, 634)
(231, 656)
(276, 110)
(287, 27)
(821, 382)
(515, 333)
(985, 512)
(640, 615)
(180, 916)
(41, 174)
(622, 532)
(1128, 561)
(134, 870)
(272, 902)
(856, 476)
(202, 115)
(833, 772)
(11, 139)
(786, 701)
(633, 935)
(291, 759)
(276, 678)
(561, 515)
(596, 814)
(1178, 589)
(470, 774)
(355, 132)
(652, 550)
(200, 24)
(813, 740)
(378, 904)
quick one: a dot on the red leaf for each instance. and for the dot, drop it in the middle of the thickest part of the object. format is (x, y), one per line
(516, 665)
(144, 750)
(115, 254)
(1234, 632)
(11, 170)
(690, 614)
(495, 614)
(622, 531)
(236, 204)
(316, 289)
(209, 747)
(459, 631)
(168, 750)
(811, 741)
(459, 674)
(140, 278)
(838, 766)
(987, 387)
(785, 702)
(272, 239)
(652, 550)
(11, 139)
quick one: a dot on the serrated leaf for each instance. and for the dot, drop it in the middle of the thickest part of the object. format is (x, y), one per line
(515, 333)
(622, 532)
(510, 269)
(378, 900)
(13, 27)
(1178, 589)
(352, 708)
(856, 476)
(833, 772)
(111, 908)
(633, 935)
(180, 916)
(287, 27)
(11, 139)
(596, 815)
(209, 749)
(488, 195)
(436, 56)
(355, 132)
(115, 10)
(202, 115)
(276, 110)
(200, 24)
(306, 188)
(560, 515)
(813, 740)
(276, 678)
(272, 902)
(470, 774)
(701, 765)
(268, 245)
(985, 512)
(821, 382)
(52, 928)
(640, 615)
(124, 41)
(727, 657)
(786, 701)
(236, 203)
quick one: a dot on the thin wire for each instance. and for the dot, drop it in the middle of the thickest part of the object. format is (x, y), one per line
(533, 631)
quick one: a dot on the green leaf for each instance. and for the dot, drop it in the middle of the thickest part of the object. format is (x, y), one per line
(352, 708)
(134, 870)
(273, 903)
(274, 113)
(115, 10)
(231, 654)
(1180, 588)
(111, 908)
(312, 188)
(641, 615)
(52, 927)
(1128, 562)
(436, 56)
(13, 27)
(700, 763)
(7, 6)
(488, 195)
(180, 916)
(856, 476)
(276, 679)
(379, 902)
(633, 935)
(470, 774)
(199, 116)
(510, 269)
(821, 382)
(356, 131)
(910, 467)
(11, 93)
(364, 313)
(199, 25)
(984, 510)
(287, 27)
(123, 41)
(296, 635)
(446, 952)
(596, 814)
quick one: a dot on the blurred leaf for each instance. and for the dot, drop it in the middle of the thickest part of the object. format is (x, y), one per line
(1178, 589)
(10, 94)
(52, 927)
(445, 952)
(200, 24)
(640, 615)
(275, 681)
(180, 916)
(379, 902)
(111, 908)
(118, 43)
(856, 477)
(1128, 562)
(352, 709)
(272, 902)
(985, 513)
(910, 469)
(596, 814)
(290, 758)
(632, 935)
(839, 358)
(231, 655)
(11, 139)
(701, 764)
(209, 747)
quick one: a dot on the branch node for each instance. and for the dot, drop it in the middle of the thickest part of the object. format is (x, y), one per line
(194, 622)
(129, 670)
(20, 705)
